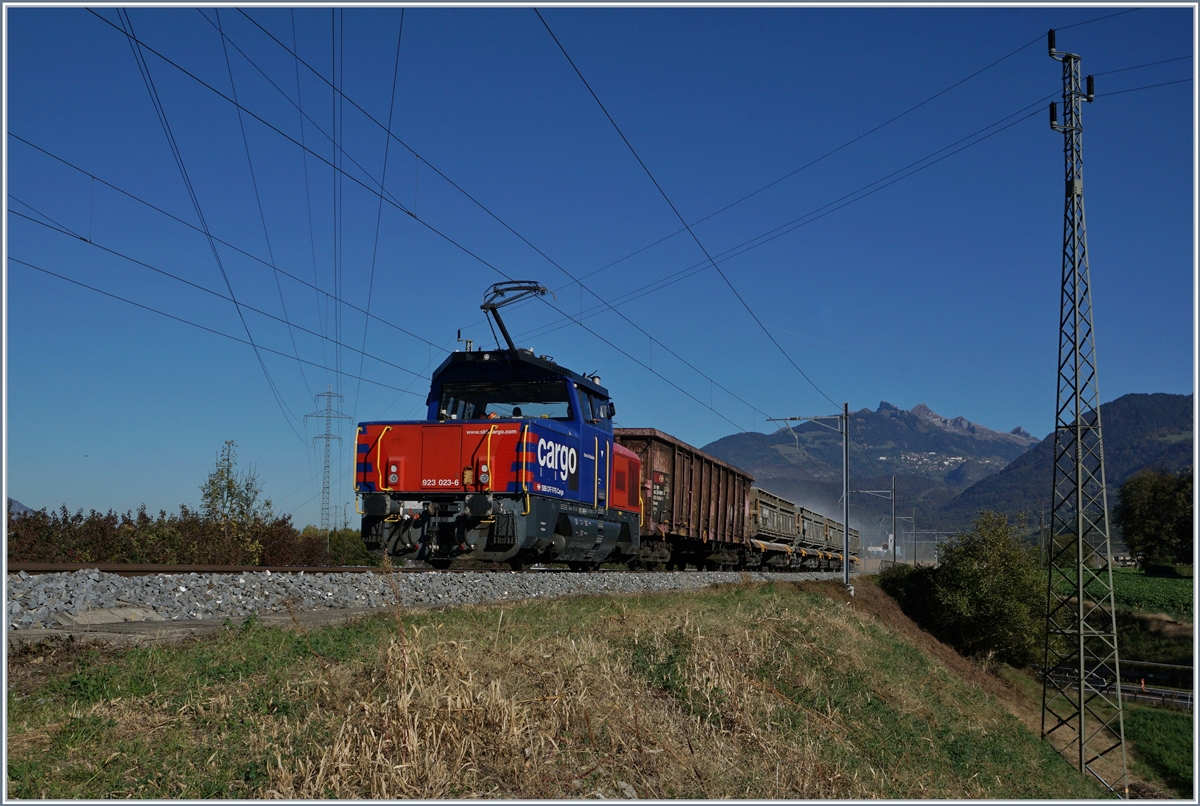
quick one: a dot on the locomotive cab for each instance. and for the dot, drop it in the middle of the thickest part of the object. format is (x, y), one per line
(515, 462)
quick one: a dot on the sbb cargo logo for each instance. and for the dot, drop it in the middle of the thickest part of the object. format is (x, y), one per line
(561, 460)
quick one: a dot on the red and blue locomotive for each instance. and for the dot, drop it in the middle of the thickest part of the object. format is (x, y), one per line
(515, 463)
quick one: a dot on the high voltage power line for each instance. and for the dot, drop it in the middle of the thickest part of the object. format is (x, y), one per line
(236, 248)
(372, 190)
(816, 214)
(144, 68)
(427, 224)
(674, 210)
(854, 140)
(341, 172)
(379, 208)
(216, 294)
(258, 200)
(199, 326)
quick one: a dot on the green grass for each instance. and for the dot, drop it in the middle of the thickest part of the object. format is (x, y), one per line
(1162, 741)
(730, 687)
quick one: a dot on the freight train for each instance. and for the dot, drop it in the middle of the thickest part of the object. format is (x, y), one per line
(517, 462)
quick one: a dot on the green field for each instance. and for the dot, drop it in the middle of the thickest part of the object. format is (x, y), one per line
(1135, 590)
(1161, 740)
(749, 691)
(1171, 596)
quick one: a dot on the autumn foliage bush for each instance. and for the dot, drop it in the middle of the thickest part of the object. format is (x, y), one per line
(185, 538)
(234, 526)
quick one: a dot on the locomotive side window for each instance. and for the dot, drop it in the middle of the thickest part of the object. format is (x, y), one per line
(585, 403)
(602, 411)
(478, 401)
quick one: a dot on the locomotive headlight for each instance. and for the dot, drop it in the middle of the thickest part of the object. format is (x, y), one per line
(483, 469)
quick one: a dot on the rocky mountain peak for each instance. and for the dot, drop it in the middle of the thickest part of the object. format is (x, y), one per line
(961, 425)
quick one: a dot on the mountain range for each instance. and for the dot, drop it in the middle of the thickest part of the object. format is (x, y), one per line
(947, 469)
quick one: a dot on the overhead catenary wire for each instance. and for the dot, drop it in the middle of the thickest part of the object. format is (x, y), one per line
(422, 222)
(198, 325)
(236, 248)
(144, 68)
(258, 200)
(674, 210)
(217, 294)
(105, 183)
(391, 135)
(387, 130)
(168, 60)
(379, 208)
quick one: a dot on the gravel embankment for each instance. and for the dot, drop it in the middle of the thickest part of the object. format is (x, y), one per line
(45, 601)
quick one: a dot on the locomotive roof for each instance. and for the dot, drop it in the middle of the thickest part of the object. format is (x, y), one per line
(518, 365)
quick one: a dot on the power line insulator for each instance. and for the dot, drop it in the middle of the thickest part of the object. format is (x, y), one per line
(1050, 36)
(1091, 88)
(1053, 115)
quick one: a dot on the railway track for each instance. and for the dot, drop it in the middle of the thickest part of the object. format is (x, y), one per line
(134, 570)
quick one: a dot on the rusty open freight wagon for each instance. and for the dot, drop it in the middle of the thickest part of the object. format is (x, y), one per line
(695, 507)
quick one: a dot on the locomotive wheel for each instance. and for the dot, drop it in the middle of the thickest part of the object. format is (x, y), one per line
(440, 564)
(583, 567)
(518, 565)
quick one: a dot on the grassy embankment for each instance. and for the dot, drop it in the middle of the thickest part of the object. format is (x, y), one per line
(1154, 623)
(1158, 741)
(742, 691)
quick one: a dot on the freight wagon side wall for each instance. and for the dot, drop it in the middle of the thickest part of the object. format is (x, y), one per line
(772, 517)
(686, 492)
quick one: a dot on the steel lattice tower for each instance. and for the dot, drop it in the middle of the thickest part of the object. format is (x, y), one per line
(330, 415)
(1081, 692)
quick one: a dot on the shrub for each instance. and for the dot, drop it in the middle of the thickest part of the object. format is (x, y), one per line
(186, 538)
(985, 597)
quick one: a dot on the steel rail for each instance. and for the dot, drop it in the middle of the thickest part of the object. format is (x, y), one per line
(133, 570)
(130, 570)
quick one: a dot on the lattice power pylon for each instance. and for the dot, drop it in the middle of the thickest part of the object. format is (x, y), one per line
(330, 415)
(1081, 689)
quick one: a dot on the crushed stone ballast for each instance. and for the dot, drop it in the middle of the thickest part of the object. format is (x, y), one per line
(49, 601)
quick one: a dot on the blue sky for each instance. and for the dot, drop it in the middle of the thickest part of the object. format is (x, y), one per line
(941, 288)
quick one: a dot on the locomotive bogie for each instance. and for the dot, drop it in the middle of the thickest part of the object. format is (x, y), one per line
(513, 531)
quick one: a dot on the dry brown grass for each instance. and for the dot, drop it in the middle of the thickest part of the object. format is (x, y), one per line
(558, 717)
(741, 692)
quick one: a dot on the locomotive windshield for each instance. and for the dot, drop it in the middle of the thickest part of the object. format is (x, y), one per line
(478, 401)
